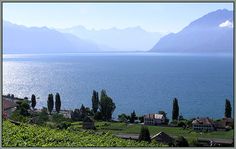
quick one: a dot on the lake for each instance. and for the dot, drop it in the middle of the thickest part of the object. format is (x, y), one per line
(144, 82)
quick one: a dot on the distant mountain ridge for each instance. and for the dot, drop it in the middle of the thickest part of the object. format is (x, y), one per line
(211, 33)
(21, 39)
(127, 39)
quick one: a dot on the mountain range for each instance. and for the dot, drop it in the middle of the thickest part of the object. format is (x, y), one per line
(21, 39)
(127, 39)
(212, 32)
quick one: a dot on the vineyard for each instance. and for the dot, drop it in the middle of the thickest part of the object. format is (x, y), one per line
(26, 135)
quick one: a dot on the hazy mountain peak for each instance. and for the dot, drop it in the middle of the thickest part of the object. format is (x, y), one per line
(126, 39)
(211, 33)
(41, 40)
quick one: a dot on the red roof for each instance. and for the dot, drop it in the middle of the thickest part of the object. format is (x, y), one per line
(7, 104)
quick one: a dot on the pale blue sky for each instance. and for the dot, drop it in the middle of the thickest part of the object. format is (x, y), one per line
(160, 17)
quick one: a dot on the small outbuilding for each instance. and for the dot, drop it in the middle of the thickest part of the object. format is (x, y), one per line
(88, 123)
(163, 138)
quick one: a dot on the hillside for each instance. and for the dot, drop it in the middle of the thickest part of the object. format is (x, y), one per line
(22, 39)
(211, 33)
(37, 136)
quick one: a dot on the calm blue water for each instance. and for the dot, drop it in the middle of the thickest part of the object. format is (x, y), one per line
(146, 83)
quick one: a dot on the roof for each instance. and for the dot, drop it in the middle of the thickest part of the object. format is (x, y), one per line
(7, 104)
(228, 120)
(203, 121)
(163, 137)
(154, 116)
(87, 119)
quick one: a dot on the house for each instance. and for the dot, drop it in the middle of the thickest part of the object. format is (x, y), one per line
(223, 123)
(88, 123)
(66, 113)
(201, 124)
(163, 138)
(9, 106)
(154, 119)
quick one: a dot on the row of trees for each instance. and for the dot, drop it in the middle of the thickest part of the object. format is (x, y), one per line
(102, 108)
(50, 103)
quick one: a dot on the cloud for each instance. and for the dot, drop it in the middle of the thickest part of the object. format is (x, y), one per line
(227, 23)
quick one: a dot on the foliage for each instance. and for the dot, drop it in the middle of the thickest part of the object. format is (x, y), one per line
(58, 103)
(133, 117)
(228, 109)
(23, 108)
(42, 117)
(63, 125)
(98, 116)
(175, 110)
(181, 142)
(123, 117)
(95, 101)
(50, 103)
(57, 118)
(37, 136)
(16, 116)
(107, 106)
(33, 101)
(144, 134)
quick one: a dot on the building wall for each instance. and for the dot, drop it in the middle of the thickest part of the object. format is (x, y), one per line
(200, 127)
(150, 121)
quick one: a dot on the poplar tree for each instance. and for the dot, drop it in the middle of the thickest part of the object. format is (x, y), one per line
(33, 101)
(50, 103)
(175, 110)
(95, 101)
(228, 109)
(58, 102)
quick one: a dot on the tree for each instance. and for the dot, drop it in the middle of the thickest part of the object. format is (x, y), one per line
(132, 117)
(23, 108)
(165, 116)
(33, 101)
(83, 112)
(58, 103)
(144, 134)
(228, 109)
(50, 103)
(175, 110)
(106, 106)
(123, 117)
(181, 142)
(95, 101)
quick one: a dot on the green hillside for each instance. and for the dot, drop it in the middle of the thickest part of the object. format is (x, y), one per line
(36, 136)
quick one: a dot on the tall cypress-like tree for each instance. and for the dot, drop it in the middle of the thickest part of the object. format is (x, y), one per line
(228, 109)
(95, 101)
(33, 101)
(106, 106)
(58, 103)
(175, 110)
(144, 134)
(50, 103)
(132, 117)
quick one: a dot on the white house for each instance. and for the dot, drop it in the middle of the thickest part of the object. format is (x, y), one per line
(154, 119)
(201, 124)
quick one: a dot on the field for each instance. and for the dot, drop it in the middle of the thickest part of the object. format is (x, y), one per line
(122, 128)
(36, 136)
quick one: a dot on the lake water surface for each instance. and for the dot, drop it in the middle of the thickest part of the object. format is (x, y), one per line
(146, 83)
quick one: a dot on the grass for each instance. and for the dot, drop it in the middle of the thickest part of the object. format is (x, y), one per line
(118, 128)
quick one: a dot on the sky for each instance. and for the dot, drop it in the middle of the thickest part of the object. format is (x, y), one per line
(152, 17)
